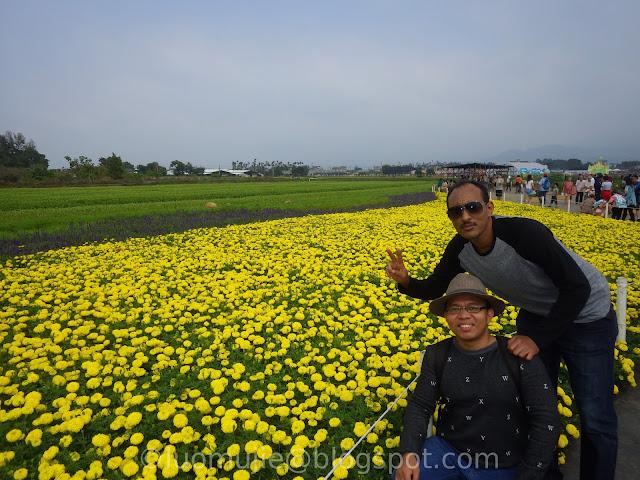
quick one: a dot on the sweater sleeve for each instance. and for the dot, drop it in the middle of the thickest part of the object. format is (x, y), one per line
(537, 244)
(436, 284)
(539, 399)
(420, 406)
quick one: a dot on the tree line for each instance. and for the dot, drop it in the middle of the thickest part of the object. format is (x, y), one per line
(21, 162)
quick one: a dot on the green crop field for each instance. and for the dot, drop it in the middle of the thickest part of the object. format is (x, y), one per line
(27, 210)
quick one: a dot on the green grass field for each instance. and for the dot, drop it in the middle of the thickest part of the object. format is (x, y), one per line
(26, 210)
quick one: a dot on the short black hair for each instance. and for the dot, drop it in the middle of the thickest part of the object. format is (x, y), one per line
(483, 189)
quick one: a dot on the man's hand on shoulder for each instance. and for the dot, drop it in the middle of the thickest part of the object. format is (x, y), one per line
(523, 347)
(396, 270)
(410, 467)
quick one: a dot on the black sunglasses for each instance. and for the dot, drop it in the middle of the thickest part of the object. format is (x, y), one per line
(474, 208)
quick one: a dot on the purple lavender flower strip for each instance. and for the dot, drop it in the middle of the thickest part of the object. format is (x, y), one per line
(118, 228)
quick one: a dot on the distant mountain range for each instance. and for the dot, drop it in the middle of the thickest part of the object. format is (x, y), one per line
(561, 152)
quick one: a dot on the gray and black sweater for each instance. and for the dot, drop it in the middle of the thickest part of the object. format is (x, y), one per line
(531, 269)
(483, 412)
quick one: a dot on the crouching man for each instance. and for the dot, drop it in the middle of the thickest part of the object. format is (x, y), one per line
(498, 416)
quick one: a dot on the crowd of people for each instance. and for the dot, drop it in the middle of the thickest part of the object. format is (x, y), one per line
(596, 195)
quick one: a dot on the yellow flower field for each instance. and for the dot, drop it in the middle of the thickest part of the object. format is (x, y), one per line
(262, 350)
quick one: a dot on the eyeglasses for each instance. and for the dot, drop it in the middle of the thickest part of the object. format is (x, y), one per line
(474, 208)
(456, 310)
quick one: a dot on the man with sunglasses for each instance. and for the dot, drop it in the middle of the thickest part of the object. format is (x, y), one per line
(565, 307)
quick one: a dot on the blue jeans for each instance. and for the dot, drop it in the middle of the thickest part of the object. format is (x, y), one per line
(542, 194)
(587, 351)
(440, 461)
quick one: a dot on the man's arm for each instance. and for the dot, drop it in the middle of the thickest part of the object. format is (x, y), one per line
(540, 401)
(420, 406)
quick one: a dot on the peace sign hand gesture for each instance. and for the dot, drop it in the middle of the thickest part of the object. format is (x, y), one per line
(396, 270)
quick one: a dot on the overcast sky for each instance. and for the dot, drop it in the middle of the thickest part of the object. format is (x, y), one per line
(325, 82)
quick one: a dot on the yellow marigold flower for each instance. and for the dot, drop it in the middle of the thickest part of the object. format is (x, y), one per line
(170, 471)
(227, 425)
(100, 440)
(129, 467)
(256, 465)
(6, 457)
(14, 435)
(262, 427)
(304, 441)
(180, 420)
(154, 444)
(45, 419)
(20, 474)
(296, 461)
(264, 452)
(73, 387)
(562, 441)
(278, 436)
(151, 457)
(346, 396)
(347, 443)
(95, 470)
(233, 450)
(66, 441)
(34, 438)
(341, 472)
(241, 475)
(75, 425)
(334, 422)
(131, 451)
(114, 462)
(360, 429)
(202, 405)
(136, 438)
(392, 442)
(132, 420)
(297, 450)
(282, 469)
(297, 426)
(572, 430)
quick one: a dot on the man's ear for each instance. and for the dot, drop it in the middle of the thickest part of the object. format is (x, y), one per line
(490, 207)
(491, 312)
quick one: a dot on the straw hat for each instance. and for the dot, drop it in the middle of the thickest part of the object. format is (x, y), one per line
(464, 283)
